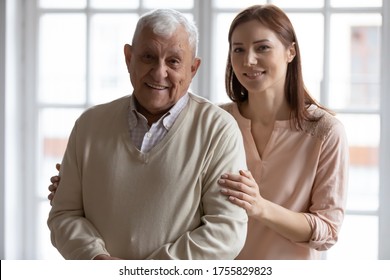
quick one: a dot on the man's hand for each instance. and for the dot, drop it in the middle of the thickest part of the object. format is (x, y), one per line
(55, 180)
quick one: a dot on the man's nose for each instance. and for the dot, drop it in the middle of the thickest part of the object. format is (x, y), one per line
(160, 70)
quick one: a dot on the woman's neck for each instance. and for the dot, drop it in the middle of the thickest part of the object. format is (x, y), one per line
(265, 107)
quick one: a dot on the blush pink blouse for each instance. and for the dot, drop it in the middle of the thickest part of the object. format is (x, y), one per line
(304, 171)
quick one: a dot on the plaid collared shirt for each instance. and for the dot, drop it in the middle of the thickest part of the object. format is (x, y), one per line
(145, 137)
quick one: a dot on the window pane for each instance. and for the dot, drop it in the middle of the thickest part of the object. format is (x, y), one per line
(363, 132)
(356, 3)
(299, 4)
(311, 45)
(117, 4)
(109, 75)
(173, 4)
(237, 4)
(62, 3)
(219, 56)
(355, 61)
(358, 239)
(55, 126)
(62, 58)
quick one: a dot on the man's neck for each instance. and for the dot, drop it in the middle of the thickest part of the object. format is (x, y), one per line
(150, 117)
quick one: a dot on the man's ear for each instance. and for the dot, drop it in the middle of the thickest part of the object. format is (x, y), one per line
(195, 66)
(128, 52)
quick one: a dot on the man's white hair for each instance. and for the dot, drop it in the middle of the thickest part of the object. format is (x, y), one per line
(164, 22)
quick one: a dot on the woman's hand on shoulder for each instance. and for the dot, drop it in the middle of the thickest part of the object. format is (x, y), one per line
(242, 190)
(55, 180)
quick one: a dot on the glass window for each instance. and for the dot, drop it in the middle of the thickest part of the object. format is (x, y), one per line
(55, 125)
(358, 239)
(363, 136)
(62, 62)
(355, 61)
(109, 78)
(220, 53)
(311, 45)
(72, 4)
(299, 3)
(116, 4)
(356, 3)
(234, 4)
(173, 4)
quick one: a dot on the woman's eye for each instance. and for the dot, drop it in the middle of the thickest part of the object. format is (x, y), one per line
(263, 48)
(238, 50)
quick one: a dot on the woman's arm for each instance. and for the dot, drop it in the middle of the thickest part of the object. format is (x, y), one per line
(243, 191)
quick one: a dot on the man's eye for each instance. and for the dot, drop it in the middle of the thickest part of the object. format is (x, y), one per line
(174, 61)
(147, 57)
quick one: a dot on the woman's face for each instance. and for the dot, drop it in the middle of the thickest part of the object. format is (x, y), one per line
(259, 59)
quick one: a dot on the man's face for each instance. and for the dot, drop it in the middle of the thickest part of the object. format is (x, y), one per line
(161, 69)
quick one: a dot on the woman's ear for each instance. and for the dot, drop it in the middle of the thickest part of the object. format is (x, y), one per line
(291, 52)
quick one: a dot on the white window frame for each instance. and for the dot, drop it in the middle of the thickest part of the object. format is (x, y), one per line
(384, 148)
(18, 119)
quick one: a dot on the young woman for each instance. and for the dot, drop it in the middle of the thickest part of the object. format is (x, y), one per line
(297, 153)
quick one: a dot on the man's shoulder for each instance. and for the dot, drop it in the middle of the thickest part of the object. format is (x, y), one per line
(112, 106)
(206, 106)
(105, 113)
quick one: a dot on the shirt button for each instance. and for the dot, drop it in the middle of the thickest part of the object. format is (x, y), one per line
(148, 134)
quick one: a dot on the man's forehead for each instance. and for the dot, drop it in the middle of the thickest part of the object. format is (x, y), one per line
(177, 41)
(147, 32)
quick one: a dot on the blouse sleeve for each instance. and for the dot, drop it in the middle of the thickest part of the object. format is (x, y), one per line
(328, 203)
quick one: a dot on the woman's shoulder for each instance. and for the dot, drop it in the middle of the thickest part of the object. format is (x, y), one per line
(323, 123)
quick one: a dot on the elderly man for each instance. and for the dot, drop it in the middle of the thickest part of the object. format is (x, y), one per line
(139, 175)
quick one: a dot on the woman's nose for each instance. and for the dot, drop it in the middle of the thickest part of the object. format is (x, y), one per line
(250, 59)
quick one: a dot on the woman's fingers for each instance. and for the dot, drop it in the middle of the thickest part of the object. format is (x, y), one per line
(244, 183)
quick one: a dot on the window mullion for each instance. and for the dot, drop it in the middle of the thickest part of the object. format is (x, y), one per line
(384, 149)
(202, 16)
(88, 56)
(324, 94)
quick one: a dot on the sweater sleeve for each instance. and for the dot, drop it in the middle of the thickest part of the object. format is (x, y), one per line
(223, 230)
(328, 203)
(71, 233)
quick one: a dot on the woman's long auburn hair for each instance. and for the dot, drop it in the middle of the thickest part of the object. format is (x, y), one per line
(296, 93)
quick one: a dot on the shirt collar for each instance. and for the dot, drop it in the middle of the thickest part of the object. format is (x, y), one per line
(168, 118)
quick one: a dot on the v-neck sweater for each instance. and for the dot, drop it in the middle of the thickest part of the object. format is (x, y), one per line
(163, 204)
(302, 170)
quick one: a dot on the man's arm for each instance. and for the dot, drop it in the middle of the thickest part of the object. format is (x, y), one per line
(71, 233)
(224, 225)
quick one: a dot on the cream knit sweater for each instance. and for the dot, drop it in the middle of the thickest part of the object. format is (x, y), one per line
(164, 204)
